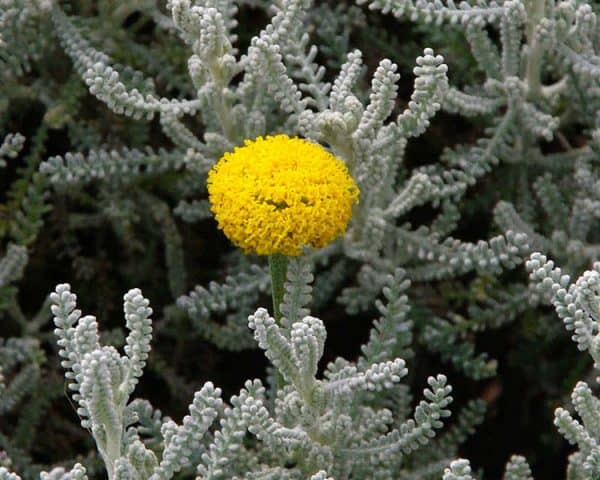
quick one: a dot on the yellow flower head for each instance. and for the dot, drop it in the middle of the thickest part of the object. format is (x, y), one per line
(276, 194)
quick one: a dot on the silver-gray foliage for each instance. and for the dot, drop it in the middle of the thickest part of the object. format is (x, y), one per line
(317, 426)
(539, 69)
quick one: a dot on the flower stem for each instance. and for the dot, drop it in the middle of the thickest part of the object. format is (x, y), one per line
(278, 266)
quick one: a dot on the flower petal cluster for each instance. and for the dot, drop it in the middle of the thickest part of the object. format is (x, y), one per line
(276, 194)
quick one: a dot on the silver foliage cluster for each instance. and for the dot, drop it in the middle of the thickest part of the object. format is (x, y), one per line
(19, 20)
(318, 427)
(282, 88)
(280, 62)
(278, 86)
(354, 419)
(576, 303)
(110, 166)
(538, 41)
(516, 469)
(536, 62)
(10, 147)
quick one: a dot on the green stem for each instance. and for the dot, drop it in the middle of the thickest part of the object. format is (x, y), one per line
(278, 266)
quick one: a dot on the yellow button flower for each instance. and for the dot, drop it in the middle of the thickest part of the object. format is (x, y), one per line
(277, 194)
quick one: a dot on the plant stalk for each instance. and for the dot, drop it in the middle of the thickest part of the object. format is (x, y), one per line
(278, 267)
(533, 69)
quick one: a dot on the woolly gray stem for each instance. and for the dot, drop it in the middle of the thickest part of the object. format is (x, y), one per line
(535, 50)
